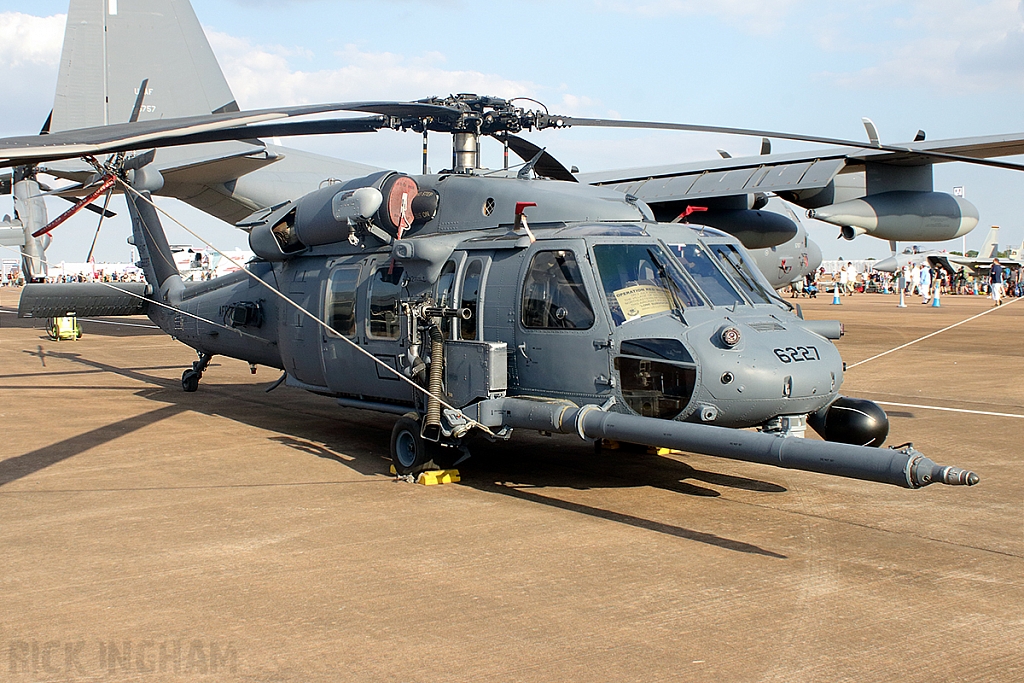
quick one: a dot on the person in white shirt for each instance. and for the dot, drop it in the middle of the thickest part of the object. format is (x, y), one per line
(926, 283)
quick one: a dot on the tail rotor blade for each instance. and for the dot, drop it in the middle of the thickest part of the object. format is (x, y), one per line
(103, 214)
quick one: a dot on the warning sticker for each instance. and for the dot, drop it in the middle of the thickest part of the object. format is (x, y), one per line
(640, 300)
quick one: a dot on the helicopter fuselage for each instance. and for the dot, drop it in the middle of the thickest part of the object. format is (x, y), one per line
(679, 328)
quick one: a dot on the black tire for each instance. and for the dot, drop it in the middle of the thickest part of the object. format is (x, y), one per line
(190, 380)
(410, 454)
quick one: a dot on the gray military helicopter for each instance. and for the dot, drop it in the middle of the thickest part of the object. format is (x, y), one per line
(479, 302)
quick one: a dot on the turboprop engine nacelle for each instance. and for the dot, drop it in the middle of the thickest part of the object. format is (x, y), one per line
(902, 216)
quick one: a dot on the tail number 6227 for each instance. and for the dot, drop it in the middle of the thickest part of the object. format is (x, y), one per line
(798, 354)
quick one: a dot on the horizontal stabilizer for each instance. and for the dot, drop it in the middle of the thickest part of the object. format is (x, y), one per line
(83, 299)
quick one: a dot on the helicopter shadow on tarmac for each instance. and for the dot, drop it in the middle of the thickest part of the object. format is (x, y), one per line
(314, 426)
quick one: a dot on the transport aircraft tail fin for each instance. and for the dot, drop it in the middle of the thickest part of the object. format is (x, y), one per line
(110, 47)
(991, 246)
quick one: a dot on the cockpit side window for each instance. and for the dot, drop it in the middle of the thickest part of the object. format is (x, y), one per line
(711, 280)
(554, 296)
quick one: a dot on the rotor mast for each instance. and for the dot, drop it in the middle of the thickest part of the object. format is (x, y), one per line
(474, 116)
(466, 152)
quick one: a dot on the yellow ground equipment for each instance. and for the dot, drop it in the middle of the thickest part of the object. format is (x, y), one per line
(66, 327)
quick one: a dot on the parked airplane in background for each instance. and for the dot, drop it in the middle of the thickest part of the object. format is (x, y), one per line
(914, 257)
(791, 261)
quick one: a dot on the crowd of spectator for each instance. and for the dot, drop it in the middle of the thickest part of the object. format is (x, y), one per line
(918, 280)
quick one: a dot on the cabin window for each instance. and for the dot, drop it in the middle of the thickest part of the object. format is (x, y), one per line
(698, 265)
(471, 298)
(445, 296)
(385, 294)
(341, 300)
(553, 295)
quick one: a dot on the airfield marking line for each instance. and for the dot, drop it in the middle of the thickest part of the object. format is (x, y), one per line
(951, 410)
(944, 329)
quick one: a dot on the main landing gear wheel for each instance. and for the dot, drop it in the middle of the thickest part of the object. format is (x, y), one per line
(410, 454)
(190, 378)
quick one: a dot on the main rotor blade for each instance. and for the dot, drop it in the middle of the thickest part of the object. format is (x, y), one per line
(168, 132)
(547, 166)
(561, 121)
(286, 129)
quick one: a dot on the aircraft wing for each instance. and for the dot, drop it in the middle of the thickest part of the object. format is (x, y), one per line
(810, 170)
(976, 263)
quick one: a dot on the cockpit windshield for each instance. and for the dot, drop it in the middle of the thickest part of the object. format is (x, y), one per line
(698, 264)
(642, 279)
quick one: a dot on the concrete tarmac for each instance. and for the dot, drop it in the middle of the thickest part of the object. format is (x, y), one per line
(147, 534)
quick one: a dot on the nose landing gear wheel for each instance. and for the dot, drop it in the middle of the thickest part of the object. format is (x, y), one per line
(409, 452)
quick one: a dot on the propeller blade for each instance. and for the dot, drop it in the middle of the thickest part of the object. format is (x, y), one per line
(546, 165)
(566, 121)
(138, 103)
(766, 147)
(139, 160)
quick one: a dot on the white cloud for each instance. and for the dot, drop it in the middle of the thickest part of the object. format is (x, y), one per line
(943, 44)
(753, 16)
(25, 39)
(264, 76)
(29, 53)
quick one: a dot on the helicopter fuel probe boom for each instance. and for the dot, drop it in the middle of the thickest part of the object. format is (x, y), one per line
(903, 466)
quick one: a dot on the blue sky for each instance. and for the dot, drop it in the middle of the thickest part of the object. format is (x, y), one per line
(954, 69)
